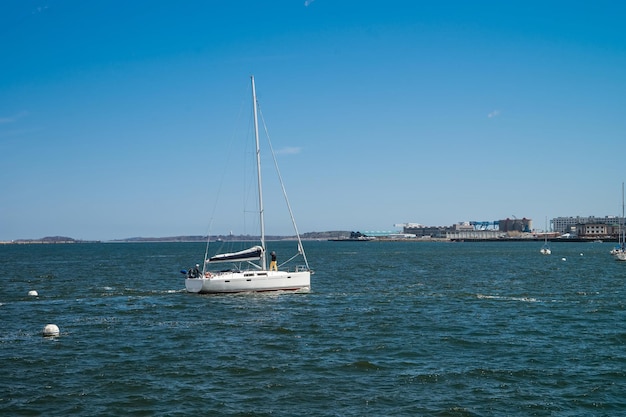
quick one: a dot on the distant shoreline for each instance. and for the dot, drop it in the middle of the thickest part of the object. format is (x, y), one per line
(198, 239)
(46, 241)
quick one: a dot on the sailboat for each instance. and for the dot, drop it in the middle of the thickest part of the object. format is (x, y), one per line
(545, 249)
(248, 270)
(620, 251)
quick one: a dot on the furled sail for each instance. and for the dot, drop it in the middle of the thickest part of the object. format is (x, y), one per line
(252, 254)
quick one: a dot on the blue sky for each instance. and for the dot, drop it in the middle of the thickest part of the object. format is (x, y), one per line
(116, 118)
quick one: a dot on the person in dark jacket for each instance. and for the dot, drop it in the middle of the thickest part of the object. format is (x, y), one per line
(273, 266)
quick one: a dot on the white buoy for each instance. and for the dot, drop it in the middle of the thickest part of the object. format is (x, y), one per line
(564, 259)
(51, 330)
(33, 293)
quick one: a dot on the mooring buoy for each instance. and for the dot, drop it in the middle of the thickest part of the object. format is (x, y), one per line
(51, 330)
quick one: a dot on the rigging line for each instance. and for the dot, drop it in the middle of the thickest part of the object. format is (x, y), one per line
(289, 260)
(282, 185)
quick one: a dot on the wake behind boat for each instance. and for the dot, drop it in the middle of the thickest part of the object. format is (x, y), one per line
(248, 270)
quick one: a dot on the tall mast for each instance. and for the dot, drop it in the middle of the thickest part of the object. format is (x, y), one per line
(258, 173)
(622, 225)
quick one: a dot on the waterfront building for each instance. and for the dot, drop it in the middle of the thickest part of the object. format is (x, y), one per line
(474, 234)
(571, 224)
(516, 225)
(596, 231)
(420, 231)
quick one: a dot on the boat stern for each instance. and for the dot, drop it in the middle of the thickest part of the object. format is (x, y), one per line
(194, 285)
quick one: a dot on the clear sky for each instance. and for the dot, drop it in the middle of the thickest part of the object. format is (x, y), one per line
(114, 115)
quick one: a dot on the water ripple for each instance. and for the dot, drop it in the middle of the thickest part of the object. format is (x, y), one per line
(397, 329)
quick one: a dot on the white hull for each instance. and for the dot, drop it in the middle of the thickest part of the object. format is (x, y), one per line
(250, 281)
(620, 256)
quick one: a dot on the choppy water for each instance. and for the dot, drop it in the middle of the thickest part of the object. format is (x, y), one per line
(389, 329)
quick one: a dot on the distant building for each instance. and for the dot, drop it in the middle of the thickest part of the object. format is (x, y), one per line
(472, 230)
(404, 225)
(583, 227)
(571, 224)
(426, 231)
(596, 230)
(516, 225)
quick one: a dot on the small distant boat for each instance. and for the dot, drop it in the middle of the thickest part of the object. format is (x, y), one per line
(248, 271)
(619, 252)
(545, 249)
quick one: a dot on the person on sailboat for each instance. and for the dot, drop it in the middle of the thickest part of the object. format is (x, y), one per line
(195, 272)
(273, 266)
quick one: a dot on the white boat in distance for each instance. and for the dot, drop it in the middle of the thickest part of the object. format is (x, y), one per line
(249, 272)
(619, 252)
(545, 249)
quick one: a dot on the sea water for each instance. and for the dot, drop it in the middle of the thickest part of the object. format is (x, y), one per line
(388, 329)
